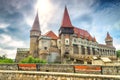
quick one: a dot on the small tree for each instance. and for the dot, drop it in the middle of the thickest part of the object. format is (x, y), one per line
(30, 59)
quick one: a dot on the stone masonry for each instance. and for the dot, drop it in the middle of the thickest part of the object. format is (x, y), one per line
(33, 75)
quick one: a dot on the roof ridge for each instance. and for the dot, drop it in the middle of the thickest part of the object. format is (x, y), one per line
(51, 34)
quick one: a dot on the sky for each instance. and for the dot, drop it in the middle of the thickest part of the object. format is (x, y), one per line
(16, 18)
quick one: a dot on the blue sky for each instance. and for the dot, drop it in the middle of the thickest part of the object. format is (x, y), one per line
(16, 18)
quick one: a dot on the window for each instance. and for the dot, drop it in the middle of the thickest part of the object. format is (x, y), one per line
(74, 40)
(93, 50)
(83, 50)
(88, 50)
(75, 49)
(66, 41)
(45, 48)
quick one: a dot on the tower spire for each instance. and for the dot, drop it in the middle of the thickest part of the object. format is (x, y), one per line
(66, 19)
(36, 24)
(109, 40)
(108, 37)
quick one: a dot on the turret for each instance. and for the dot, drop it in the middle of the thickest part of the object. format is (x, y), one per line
(109, 40)
(66, 25)
(65, 33)
(34, 35)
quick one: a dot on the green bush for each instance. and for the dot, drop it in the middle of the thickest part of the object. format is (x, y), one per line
(30, 59)
(6, 60)
(118, 53)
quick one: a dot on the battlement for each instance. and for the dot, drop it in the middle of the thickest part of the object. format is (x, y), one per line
(22, 49)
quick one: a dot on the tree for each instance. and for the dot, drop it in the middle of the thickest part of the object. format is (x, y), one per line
(4, 59)
(30, 59)
(118, 53)
(3, 56)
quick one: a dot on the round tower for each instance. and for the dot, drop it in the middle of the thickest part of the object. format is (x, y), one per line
(34, 35)
(109, 40)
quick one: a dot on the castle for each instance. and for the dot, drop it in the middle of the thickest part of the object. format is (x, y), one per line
(72, 45)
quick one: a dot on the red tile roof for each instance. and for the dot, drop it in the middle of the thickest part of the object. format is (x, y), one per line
(108, 37)
(103, 45)
(36, 25)
(82, 33)
(90, 38)
(66, 19)
(51, 34)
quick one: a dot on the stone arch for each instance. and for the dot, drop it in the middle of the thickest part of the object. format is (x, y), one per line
(66, 54)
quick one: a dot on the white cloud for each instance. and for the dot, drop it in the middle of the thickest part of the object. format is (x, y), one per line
(46, 12)
(9, 53)
(3, 25)
(8, 41)
(116, 43)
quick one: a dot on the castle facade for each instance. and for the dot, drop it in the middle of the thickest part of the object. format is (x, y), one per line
(72, 45)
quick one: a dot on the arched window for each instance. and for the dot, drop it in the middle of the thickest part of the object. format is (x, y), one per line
(83, 50)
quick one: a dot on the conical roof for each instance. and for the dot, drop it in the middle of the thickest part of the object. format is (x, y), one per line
(108, 37)
(36, 25)
(66, 19)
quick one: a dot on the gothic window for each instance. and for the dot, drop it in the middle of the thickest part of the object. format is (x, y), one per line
(93, 50)
(74, 40)
(88, 50)
(66, 41)
(75, 49)
(83, 50)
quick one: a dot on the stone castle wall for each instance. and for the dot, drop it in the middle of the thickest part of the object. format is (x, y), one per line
(8, 67)
(33, 75)
(90, 69)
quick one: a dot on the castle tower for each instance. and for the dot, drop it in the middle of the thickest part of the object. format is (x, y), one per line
(34, 35)
(109, 40)
(65, 32)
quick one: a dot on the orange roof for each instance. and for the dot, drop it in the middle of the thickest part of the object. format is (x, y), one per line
(66, 19)
(82, 33)
(103, 45)
(36, 25)
(89, 38)
(108, 36)
(51, 34)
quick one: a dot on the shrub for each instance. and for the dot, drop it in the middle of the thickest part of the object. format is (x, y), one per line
(6, 60)
(118, 53)
(30, 59)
